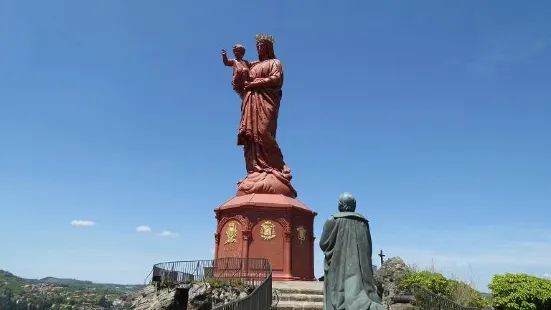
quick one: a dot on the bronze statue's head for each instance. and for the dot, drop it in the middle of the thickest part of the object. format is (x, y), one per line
(347, 203)
(265, 47)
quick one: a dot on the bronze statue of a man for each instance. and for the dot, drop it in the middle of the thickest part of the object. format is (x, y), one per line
(346, 243)
(261, 94)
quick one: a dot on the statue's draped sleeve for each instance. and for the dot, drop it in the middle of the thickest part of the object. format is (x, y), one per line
(274, 78)
(327, 241)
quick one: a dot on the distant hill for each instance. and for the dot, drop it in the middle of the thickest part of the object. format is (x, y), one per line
(90, 284)
(18, 293)
(64, 281)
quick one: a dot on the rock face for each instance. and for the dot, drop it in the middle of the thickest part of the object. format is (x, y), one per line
(202, 296)
(147, 299)
(387, 278)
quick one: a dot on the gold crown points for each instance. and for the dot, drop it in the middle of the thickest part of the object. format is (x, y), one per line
(265, 37)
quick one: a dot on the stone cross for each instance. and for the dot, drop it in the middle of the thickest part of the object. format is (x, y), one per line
(381, 255)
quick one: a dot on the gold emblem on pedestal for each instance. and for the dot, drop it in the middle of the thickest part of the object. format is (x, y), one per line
(231, 233)
(267, 230)
(301, 233)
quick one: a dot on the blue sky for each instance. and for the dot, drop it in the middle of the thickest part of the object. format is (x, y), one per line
(434, 114)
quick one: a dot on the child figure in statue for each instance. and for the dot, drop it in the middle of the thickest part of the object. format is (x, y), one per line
(240, 68)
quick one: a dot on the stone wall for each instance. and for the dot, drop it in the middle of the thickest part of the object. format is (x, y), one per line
(202, 296)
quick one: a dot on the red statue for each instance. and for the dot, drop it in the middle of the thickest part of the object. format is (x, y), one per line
(259, 85)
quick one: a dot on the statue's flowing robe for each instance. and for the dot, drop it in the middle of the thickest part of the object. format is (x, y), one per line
(266, 171)
(348, 279)
(259, 113)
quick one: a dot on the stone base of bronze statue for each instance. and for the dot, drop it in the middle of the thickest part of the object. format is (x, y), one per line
(271, 226)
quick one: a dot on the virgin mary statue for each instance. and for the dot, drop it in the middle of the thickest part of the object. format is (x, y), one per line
(267, 172)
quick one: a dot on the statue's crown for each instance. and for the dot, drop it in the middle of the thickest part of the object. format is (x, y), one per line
(264, 37)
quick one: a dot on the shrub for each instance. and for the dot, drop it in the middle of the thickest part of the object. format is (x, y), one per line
(463, 294)
(216, 283)
(457, 291)
(521, 292)
(433, 281)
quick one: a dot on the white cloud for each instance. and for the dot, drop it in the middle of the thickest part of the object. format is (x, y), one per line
(143, 228)
(82, 223)
(167, 233)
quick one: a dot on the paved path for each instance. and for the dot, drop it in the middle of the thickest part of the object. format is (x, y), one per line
(294, 295)
(310, 285)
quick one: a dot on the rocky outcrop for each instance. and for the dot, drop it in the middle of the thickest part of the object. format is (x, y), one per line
(148, 299)
(387, 279)
(201, 296)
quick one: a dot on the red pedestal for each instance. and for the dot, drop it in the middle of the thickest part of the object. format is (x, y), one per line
(268, 226)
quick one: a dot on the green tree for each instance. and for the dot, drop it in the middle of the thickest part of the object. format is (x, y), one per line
(521, 292)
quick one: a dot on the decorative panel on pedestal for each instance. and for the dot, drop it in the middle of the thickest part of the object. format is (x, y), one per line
(269, 226)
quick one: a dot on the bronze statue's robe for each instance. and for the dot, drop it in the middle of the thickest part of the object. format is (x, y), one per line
(348, 279)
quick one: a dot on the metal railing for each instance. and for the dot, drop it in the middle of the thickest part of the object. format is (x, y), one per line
(253, 272)
(428, 300)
